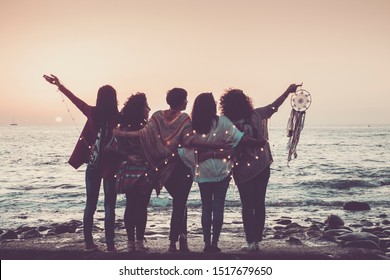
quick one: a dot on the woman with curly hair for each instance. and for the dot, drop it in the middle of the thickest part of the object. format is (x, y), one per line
(134, 116)
(252, 168)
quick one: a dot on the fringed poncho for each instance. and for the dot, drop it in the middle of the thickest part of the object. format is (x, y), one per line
(161, 137)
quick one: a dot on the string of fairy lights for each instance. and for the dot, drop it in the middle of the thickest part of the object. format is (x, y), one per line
(197, 164)
(173, 155)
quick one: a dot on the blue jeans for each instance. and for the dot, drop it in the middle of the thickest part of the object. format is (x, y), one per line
(93, 180)
(252, 194)
(213, 205)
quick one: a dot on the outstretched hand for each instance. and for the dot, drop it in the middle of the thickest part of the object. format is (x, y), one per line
(52, 79)
(293, 88)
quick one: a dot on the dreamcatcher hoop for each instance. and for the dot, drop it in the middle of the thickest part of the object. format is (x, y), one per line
(300, 100)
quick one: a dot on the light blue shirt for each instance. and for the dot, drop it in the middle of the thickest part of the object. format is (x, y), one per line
(212, 170)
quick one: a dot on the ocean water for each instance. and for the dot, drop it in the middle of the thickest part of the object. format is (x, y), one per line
(335, 164)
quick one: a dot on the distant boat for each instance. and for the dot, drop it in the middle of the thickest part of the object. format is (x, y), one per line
(13, 122)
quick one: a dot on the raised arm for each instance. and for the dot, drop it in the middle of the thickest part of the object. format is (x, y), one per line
(292, 88)
(80, 104)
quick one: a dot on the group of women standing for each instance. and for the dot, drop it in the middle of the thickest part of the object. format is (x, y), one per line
(175, 150)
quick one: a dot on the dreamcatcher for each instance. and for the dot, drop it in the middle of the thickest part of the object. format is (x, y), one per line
(300, 102)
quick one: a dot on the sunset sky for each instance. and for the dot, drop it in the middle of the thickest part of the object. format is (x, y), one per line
(339, 49)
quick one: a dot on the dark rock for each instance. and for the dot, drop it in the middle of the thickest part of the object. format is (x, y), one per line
(382, 216)
(1, 231)
(9, 234)
(294, 241)
(334, 221)
(327, 237)
(284, 221)
(75, 223)
(366, 223)
(386, 222)
(286, 217)
(356, 225)
(380, 235)
(292, 225)
(384, 243)
(278, 236)
(278, 227)
(356, 206)
(42, 228)
(337, 232)
(22, 229)
(358, 236)
(59, 229)
(314, 227)
(372, 229)
(291, 228)
(314, 233)
(32, 233)
(367, 244)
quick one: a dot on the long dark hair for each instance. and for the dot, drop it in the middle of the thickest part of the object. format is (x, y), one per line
(203, 113)
(133, 112)
(235, 105)
(106, 105)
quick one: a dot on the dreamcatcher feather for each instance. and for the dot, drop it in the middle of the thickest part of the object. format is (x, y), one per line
(300, 102)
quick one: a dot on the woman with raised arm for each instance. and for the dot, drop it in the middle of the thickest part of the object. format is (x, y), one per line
(252, 169)
(101, 119)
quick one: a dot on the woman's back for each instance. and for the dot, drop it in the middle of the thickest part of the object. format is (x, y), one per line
(212, 169)
(160, 138)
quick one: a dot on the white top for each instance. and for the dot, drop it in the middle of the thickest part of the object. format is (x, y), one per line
(212, 170)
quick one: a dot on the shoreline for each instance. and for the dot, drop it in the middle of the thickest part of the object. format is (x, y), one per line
(70, 246)
(284, 239)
